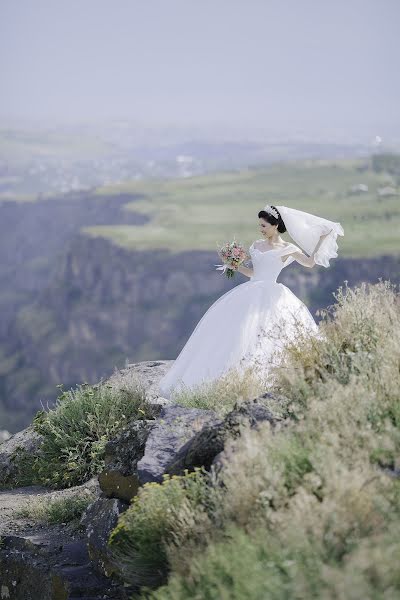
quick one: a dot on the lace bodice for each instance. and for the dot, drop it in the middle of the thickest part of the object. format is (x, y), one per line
(267, 264)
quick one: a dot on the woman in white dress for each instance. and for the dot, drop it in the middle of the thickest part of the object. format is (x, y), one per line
(248, 325)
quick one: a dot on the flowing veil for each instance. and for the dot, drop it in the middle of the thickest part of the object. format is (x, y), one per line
(305, 229)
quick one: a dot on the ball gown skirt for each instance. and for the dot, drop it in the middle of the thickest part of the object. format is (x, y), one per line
(246, 326)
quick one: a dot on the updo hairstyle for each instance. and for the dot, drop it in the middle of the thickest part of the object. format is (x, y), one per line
(273, 220)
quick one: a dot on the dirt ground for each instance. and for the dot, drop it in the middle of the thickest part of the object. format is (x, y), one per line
(14, 499)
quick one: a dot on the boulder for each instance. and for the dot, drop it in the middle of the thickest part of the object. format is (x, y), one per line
(204, 447)
(149, 373)
(99, 519)
(172, 431)
(119, 478)
(41, 567)
(15, 455)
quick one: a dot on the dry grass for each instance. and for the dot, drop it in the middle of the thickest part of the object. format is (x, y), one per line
(311, 509)
(223, 393)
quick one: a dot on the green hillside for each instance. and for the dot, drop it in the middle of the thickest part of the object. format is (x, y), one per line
(198, 212)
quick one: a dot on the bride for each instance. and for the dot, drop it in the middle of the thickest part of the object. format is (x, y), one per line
(249, 324)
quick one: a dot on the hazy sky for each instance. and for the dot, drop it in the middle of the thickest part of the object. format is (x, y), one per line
(290, 64)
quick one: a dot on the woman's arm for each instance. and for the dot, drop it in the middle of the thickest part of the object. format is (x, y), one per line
(245, 270)
(308, 261)
(303, 259)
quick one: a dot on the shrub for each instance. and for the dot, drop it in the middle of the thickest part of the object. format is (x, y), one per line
(76, 430)
(359, 337)
(320, 551)
(293, 532)
(161, 515)
(310, 509)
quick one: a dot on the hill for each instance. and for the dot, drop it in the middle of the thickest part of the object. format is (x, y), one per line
(233, 489)
(94, 280)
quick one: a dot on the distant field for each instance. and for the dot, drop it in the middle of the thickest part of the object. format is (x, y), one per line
(197, 212)
(20, 146)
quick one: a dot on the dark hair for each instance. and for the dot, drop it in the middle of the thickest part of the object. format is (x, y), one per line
(273, 220)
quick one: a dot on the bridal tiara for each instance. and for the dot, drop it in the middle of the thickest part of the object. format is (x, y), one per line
(271, 211)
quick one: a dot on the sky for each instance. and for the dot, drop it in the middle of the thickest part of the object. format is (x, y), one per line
(290, 65)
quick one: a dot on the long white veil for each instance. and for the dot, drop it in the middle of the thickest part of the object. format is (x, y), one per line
(305, 229)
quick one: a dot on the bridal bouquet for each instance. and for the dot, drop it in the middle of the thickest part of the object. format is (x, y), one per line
(232, 255)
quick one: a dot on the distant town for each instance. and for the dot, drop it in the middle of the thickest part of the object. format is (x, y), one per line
(37, 162)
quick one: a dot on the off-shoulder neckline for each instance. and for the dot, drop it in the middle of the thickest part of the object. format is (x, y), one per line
(271, 249)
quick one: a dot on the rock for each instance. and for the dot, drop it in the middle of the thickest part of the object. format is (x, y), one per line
(15, 453)
(40, 567)
(91, 486)
(141, 452)
(149, 373)
(393, 472)
(43, 561)
(99, 519)
(207, 444)
(171, 432)
(4, 435)
(119, 478)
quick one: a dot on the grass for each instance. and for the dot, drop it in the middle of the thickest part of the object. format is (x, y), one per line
(77, 429)
(309, 509)
(221, 394)
(158, 512)
(56, 510)
(197, 212)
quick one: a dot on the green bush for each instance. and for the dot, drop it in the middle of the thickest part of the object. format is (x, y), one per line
(299, 559)
(23, 472)
(162, 514)
(77, 429)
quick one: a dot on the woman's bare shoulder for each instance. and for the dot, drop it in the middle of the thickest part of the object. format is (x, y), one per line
(289, 249)
(283, 247)
(288, 245)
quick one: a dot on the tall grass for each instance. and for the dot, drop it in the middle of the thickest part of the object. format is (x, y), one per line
(309, 509)
(223, 393)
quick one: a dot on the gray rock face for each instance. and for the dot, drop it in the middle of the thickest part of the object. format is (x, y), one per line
(44, 561)
(149, 372)
(119, 478)
(19, 447)
(40, 568)
(175, 426)
(203, 448)
(99, 519)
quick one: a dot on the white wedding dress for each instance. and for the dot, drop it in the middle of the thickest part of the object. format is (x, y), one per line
(248, 325)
